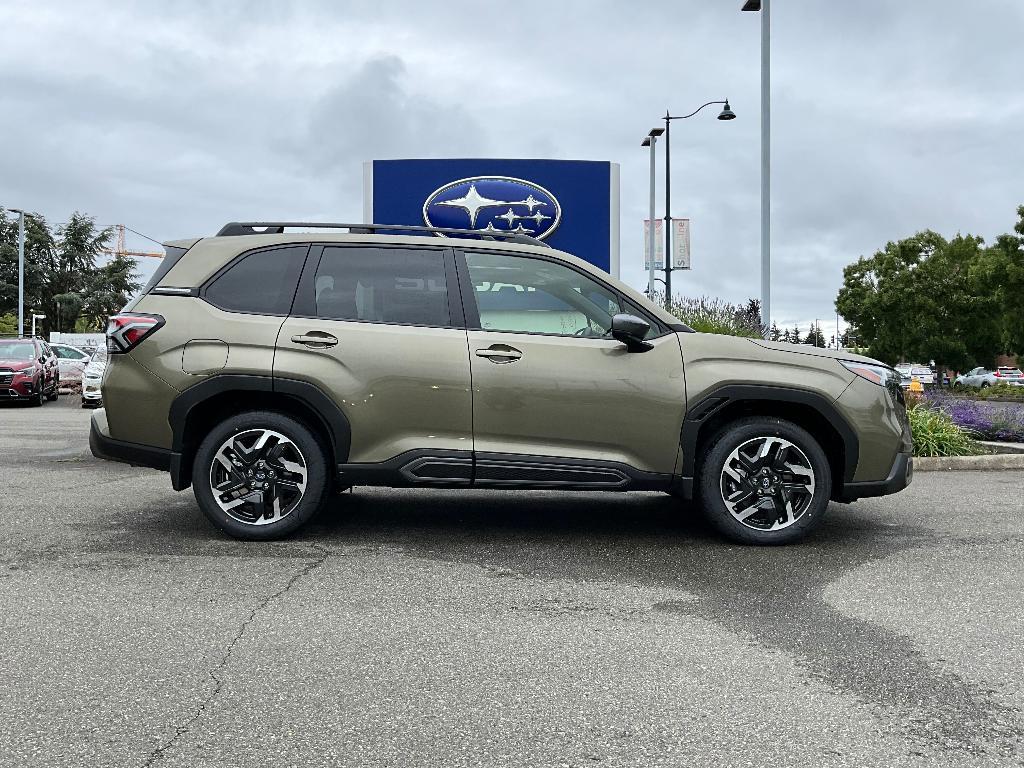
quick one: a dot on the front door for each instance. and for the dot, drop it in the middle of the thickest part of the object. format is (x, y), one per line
(379, 330)
(548, 381)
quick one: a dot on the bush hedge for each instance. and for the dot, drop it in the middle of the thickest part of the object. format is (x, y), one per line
(936, 434)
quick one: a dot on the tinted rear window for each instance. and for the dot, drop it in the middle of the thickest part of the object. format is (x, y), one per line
(383, 285)
(260, 283)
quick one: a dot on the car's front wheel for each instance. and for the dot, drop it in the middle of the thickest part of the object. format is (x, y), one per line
(765, 481)
(260, 475)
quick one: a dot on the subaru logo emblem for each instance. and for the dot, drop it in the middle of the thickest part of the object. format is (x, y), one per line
(494, 204)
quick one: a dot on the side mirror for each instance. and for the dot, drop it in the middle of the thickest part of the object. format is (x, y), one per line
(630, 330)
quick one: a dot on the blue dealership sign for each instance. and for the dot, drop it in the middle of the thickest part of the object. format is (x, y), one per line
(573, 205)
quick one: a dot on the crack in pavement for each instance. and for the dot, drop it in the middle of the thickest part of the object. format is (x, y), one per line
(218, 681)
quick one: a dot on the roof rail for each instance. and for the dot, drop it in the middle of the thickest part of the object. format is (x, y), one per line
(278, 227)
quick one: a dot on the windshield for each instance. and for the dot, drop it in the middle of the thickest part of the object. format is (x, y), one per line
(17, 351)
(921, 371)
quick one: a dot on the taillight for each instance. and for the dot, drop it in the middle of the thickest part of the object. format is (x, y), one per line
(125, 331)
(998, 375)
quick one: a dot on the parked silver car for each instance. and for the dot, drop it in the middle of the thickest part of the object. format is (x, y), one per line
(92, 377)
(922, 373)
(983, 377)
(72, 362)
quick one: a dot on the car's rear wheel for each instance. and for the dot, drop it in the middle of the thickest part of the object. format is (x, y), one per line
(54, 393)
(260, 475)
(765, 481)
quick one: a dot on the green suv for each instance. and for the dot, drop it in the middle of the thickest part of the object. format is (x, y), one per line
(268, 369)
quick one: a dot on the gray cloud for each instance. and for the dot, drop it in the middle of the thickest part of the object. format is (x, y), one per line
(887, 117)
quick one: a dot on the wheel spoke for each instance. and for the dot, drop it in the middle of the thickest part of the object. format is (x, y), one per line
(768, 474)
(239, 463)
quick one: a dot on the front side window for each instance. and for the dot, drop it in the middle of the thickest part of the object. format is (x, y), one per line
(524, 295)
(402, 286)
(261, 283)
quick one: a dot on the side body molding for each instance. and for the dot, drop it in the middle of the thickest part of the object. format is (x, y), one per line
(330, 416)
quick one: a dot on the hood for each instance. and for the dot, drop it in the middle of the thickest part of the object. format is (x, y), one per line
(16, 365)
(803, 349)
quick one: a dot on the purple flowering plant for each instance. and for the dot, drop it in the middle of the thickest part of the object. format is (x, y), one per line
(985, 420)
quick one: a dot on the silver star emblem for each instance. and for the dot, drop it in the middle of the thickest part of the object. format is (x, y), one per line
(472, 202)
(537, 217)
(521, 230)
(508, 216)
(531, 202)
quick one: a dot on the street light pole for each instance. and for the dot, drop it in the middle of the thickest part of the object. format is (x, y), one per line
(668, 214)
(725, 114)
(766, 124)
(650, 141)
(21, 270)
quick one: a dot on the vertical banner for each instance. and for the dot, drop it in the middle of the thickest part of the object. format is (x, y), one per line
(680, 244)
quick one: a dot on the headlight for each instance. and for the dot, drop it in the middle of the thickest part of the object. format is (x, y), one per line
(881, 375)
(29, 373)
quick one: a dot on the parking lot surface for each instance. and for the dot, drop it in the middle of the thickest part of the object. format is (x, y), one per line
(437, 628)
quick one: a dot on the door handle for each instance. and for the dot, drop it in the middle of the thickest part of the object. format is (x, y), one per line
(316, 339)
(500, 354)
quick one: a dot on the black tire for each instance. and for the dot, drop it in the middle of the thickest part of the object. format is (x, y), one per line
(806, 508)
(984, 385)
(242, 427)
(52, 397)
(38, 398)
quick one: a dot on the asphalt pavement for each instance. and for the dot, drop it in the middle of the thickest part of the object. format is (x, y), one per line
(442, 628)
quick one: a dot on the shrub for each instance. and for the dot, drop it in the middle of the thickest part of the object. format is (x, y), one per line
(986, 421)
(935, 434)
(707, 314)
(1001, 392)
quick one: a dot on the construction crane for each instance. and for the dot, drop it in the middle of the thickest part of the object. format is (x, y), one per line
(120, 250)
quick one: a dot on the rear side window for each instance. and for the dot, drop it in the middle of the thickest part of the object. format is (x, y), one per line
(403, 286)
(261, 283)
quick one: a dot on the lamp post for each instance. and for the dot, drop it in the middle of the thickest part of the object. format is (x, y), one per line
(650, 141)
(21, 270)
(34, 317)
(725, 114)
(766, 141)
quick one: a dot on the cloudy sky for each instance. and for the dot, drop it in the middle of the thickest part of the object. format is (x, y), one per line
(173, 118)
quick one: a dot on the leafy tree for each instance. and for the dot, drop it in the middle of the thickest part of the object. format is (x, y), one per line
(1001, 268)
(62, 277)
(794, 335)
(775, 334)
(923, 298)
(815, 337)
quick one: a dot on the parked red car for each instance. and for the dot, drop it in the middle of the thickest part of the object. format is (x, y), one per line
(28, 371)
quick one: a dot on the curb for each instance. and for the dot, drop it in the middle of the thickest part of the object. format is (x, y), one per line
(1011, 461)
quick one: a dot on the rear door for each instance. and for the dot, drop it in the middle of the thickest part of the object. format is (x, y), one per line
(549, 382)
(380, 330)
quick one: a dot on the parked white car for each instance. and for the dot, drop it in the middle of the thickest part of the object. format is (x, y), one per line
(72, 362)
(983, 377)
(922, 373)
(92, 377)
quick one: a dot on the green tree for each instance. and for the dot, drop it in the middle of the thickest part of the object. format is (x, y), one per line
(815, 337)
(794, 335)
(923, 298)
(63, 277)
(775, 334)
(1001, 268)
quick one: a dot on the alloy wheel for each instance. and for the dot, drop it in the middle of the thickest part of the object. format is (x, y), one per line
(258, 476)
(767, 483)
